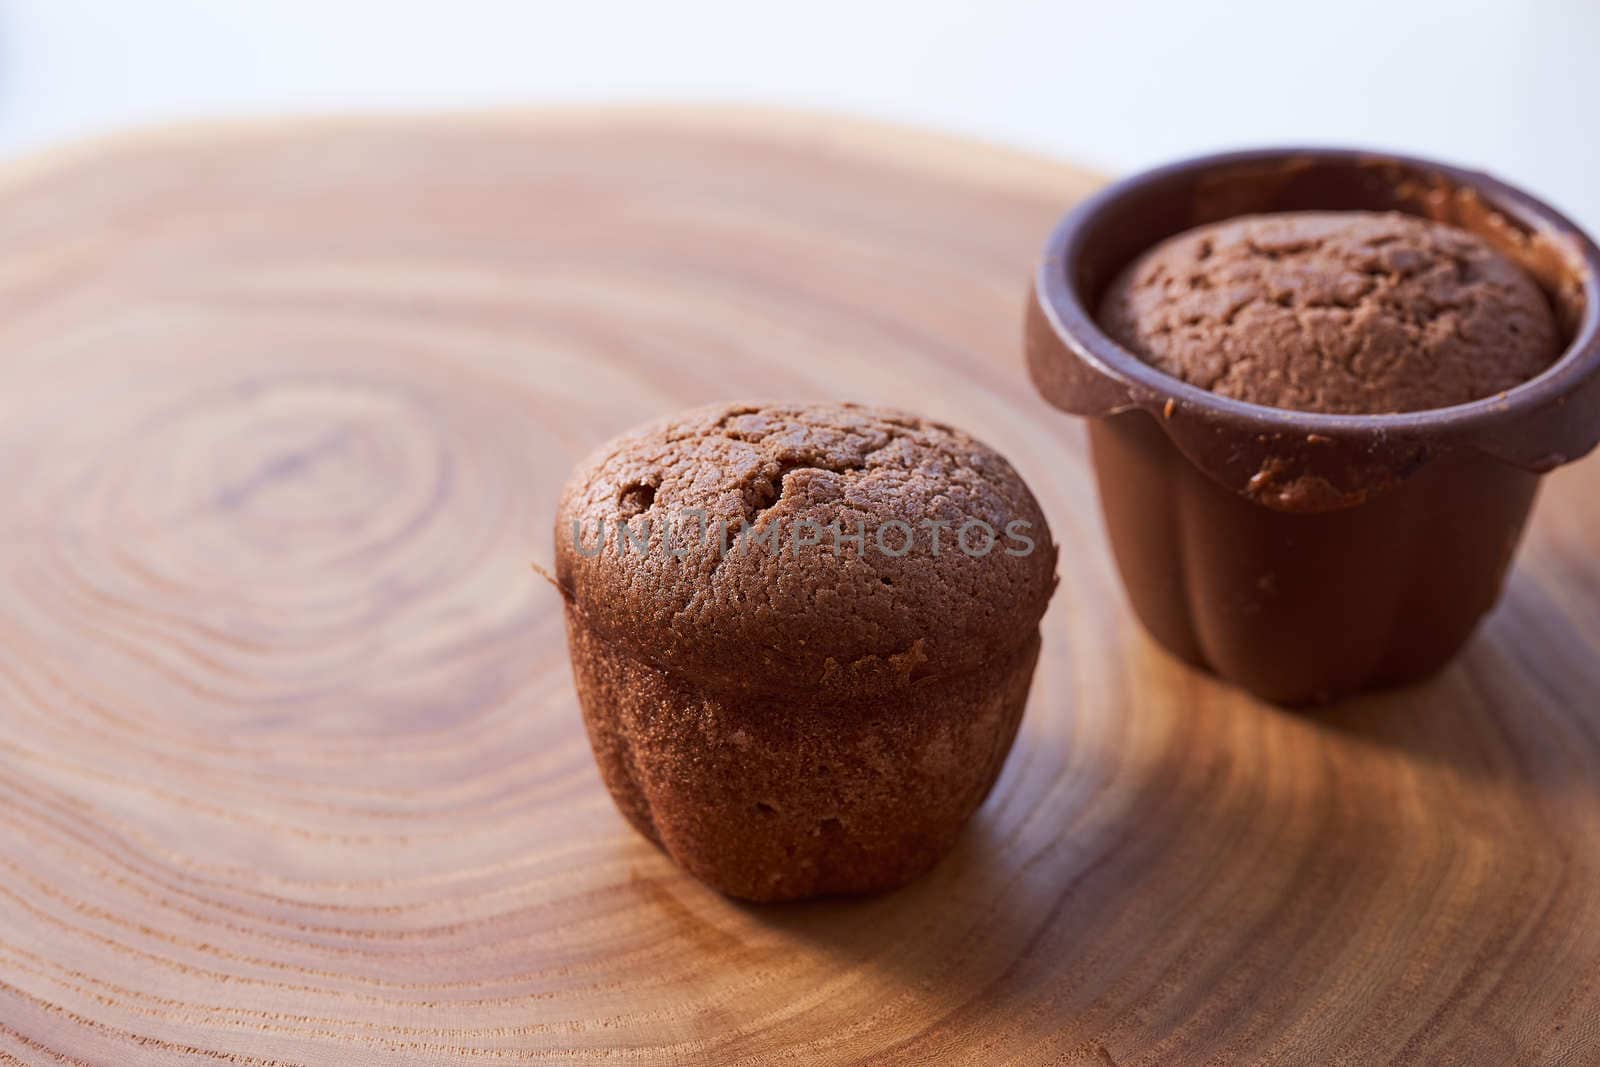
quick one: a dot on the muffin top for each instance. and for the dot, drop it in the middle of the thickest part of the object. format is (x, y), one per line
(825, 549)
(1341, 312)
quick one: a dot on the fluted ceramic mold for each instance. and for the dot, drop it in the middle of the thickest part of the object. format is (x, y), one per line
(1304, 555)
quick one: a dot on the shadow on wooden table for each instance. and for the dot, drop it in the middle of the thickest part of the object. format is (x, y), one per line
(1519, 707)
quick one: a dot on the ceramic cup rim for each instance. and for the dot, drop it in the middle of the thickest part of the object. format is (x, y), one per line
(1058, 293)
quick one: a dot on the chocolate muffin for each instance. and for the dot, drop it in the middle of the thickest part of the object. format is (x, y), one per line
(802, 637)
(1342, 312)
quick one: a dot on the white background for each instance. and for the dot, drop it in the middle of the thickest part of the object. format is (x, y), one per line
(1513, 87)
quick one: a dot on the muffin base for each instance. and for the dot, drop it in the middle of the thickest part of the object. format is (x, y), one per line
(771, 798)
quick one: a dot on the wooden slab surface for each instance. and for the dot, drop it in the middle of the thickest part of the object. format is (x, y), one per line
(291, 770)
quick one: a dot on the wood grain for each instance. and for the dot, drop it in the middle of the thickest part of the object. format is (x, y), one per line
(290, 766)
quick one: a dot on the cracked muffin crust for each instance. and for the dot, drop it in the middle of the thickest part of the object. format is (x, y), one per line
(1338, 312)
(787, 714)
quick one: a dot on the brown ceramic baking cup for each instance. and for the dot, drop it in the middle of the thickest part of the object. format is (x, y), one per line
(1308, 555)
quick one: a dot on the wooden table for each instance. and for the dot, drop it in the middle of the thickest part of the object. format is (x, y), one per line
(291, 770)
